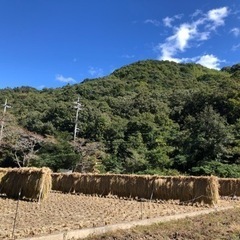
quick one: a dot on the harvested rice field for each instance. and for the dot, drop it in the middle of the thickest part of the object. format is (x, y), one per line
(63, 212)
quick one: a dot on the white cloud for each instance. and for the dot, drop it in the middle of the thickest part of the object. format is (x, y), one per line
(178, 16)
(177, 42)
(128, 56)
(197, 13)
(63, 79)
(235, 31)
(209, 61)
(168, 51)
(186, 60)
(153, 21)
(236, 47)
(183, 35)
(167, 21)
(203, 36)
(217, 16)
(95, 72)
(189, 34)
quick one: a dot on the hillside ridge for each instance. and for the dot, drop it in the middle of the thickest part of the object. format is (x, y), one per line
(147, 117)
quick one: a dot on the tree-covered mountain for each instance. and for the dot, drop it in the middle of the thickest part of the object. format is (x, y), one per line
(148, 117)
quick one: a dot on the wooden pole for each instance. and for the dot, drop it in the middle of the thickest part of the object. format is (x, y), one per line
(78, 107)
(5, 106)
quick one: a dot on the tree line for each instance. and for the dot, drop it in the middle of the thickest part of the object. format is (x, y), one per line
(149, 117)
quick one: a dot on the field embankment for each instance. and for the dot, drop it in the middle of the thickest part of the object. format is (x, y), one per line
(214, 226)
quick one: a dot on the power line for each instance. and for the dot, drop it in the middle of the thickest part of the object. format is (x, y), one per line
(5, 107)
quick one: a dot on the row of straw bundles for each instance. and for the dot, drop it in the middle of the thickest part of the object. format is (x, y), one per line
(120, 185)
(195, 189)
(81, 183)
(229, 186)
(30, 183)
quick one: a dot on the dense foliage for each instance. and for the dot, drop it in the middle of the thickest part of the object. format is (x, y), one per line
(147, 117)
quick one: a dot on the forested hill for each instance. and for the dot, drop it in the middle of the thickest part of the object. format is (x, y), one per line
(147, 117)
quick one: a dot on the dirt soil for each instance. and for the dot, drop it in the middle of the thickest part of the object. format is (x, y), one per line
(62, 212)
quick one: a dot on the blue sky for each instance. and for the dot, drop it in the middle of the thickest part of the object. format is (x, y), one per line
(54, 42)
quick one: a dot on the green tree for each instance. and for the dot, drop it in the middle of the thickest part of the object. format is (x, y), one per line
(205, 138)
(60, 155)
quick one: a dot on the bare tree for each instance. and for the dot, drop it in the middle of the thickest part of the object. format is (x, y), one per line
(92, 155)
(22, 144)
(26, 147)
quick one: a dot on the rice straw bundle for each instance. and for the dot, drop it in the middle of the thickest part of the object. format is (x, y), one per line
(229, 186)
(29, 183)
(205, 190)
(56, 181)
(167, 188)
(3, 172)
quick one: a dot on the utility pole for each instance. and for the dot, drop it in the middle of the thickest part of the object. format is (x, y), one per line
(78, 107)
(5, 106)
